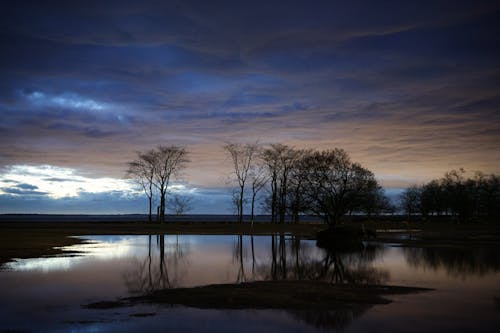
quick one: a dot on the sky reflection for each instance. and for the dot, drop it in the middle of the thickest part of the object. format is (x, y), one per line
(46, 293)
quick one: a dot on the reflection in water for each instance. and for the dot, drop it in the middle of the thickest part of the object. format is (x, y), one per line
(157, 270)
(46, 294)
(287, 258)
(457, 262)
(327, 320)
(294, 259)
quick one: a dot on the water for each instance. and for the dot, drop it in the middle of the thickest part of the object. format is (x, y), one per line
(46, 294)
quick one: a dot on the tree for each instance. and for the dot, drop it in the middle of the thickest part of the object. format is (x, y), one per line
(373, 201)
(432, 200)
(242, 157)
(142, 170)
(279, 160)
(270, 159)
(258, 179)
(333, 183)
(410, 201)
(168, 161)
(297, 202)
(179, 204)
(454, 195)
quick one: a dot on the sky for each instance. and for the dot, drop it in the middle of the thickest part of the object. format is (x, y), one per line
(410, 89)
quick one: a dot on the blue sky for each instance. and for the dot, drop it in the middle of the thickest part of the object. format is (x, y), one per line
(409, 89)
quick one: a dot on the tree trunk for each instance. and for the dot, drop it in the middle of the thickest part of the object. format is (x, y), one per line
(241, 205)
(273, 201)
(162, 207)
(150, 209)
(283, 200)
(252, 212)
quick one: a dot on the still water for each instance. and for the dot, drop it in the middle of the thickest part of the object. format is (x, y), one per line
(46, 294)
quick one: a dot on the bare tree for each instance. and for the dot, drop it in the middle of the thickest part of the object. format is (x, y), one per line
(258, 178)
(279, 160)
(297, 202)
(241, 156)
(142, 170)
(179, 204)
(269, 156)
(168, 161)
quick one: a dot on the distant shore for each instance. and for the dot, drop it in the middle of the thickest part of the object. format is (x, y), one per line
(72, 218)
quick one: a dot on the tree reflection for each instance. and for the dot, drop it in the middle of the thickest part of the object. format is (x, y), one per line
(291, 258)
(159, 270)
(238, 255)
(338, 319)
(276, 257)
(456, 261)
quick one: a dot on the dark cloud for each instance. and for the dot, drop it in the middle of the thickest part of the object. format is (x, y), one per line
(57, 179)
(25, 190)
(27, 186)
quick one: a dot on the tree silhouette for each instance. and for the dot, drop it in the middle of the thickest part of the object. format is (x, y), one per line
(335, 185)
(168, 161)
(242, 157)
(457, 197)
(143, 170)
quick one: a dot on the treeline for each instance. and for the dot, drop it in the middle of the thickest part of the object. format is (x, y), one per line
(286, 181)
(324, 183)
(455, 196)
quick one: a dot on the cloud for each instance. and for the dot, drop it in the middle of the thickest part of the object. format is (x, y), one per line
(22, 189)
(68, 101)
(27, 186)
(56, 179)
(28, 200)
(47, 179)
(410, 90)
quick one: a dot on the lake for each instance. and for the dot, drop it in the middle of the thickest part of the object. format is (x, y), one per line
(47, 294)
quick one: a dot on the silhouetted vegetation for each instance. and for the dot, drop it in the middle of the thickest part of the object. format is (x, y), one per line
(154, 170)
(179, 204)
(242, 157)
(455, 196)
(142, 170)
(322, 183)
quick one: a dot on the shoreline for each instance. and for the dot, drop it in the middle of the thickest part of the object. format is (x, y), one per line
(23, 240)
(33, 239)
